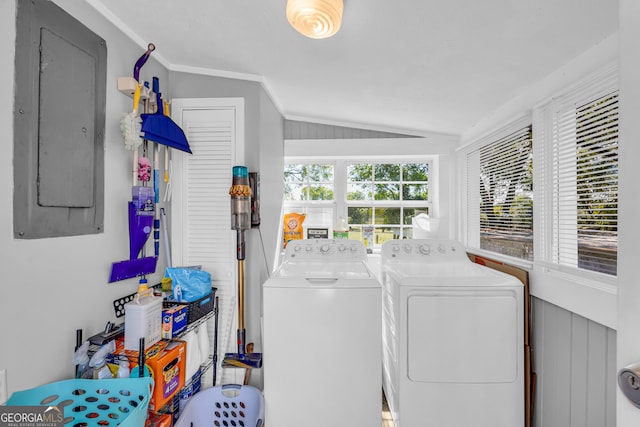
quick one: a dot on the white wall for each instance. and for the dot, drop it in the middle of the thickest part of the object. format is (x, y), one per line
(55, 286)
(51, 287)
(628, 286)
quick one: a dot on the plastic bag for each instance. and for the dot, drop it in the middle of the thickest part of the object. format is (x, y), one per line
(189, 284)
(293, 229)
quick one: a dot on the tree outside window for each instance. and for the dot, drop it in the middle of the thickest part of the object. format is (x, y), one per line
(382, 199)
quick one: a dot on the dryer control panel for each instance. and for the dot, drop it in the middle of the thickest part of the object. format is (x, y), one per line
(425, 250)
(316, 249)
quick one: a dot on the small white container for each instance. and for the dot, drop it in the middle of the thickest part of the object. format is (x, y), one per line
(143, 319)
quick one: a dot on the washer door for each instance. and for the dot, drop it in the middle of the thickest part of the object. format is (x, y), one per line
(465, 336)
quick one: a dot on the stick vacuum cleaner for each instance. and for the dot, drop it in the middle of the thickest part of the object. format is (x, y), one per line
(240, 221)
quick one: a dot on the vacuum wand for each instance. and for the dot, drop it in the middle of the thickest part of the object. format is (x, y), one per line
(240, 193)
(240, 221)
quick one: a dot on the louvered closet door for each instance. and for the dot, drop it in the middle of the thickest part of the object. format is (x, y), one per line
(200, 206)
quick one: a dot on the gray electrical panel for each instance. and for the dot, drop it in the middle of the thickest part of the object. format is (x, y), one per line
(59, 121)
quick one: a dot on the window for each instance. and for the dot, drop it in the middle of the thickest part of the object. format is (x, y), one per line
(500, 193)
(377, 200)
(309, 190)
(383, 198)
(562, 165)
(577, 147)
(308, 182)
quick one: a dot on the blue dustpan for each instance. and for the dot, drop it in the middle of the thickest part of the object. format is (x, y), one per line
(161, 129)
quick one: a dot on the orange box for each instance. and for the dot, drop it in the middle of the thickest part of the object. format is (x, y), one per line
(166, 361)
(159, 420)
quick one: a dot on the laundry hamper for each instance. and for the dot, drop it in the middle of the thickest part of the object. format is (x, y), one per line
(114, 402)
(227, 405)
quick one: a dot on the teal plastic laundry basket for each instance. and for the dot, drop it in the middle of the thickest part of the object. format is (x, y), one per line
(224, 406)
(112, 402)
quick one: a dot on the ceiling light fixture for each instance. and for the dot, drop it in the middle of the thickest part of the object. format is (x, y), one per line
(317, 19)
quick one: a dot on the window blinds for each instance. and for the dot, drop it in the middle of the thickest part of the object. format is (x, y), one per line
(576, 158)
(499, 192)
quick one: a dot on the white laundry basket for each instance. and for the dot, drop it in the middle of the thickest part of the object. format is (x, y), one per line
(227, 405)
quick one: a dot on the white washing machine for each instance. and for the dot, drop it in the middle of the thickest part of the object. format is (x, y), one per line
(322, 326)
(453, 339)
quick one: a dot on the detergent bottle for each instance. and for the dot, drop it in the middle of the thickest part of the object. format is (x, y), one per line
(341, 230)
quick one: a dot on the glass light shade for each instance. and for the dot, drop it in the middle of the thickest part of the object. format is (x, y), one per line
(317, 19)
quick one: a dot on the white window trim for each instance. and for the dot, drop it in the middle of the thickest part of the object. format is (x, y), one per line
(604, 81)
(340, 201)
(470, 218)
(587, 293)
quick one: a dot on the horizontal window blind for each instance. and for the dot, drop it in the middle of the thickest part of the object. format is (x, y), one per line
(499, 196)
(577, 148)
(505, 190)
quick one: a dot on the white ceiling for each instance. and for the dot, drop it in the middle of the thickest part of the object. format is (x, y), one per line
(415, 66)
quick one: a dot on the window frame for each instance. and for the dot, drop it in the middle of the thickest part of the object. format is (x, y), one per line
(470, 180)
(340, 204)
(542, 230)
(376, 203)
(307, 184)
(547, 148)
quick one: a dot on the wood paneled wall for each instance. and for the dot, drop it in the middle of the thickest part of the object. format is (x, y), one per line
(575, 363)
(305, 130)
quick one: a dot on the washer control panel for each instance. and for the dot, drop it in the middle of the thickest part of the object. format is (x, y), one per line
(315, 249)
(425, 250)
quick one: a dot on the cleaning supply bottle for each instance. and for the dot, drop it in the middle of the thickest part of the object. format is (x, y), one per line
(100, 370)
(341, 230)
(81, 359)
(123, 369)
(99, 361)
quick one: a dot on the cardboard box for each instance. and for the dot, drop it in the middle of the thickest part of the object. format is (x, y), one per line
(166, 361)
(159, 420)
(174, 321)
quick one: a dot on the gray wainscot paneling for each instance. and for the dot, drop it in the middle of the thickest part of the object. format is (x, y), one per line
(305, 130)
(575, 363)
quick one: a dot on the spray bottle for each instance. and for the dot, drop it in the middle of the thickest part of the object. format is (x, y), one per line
(81, 359)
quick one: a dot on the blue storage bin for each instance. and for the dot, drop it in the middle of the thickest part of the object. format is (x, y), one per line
(112, 402)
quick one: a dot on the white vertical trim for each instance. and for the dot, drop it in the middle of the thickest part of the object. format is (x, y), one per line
(565, 217)
(562, 134)
(200, 214)
(340, 190)
(472, 199)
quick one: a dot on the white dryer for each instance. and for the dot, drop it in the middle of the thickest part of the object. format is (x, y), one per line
(322, 332)
(453, 341)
